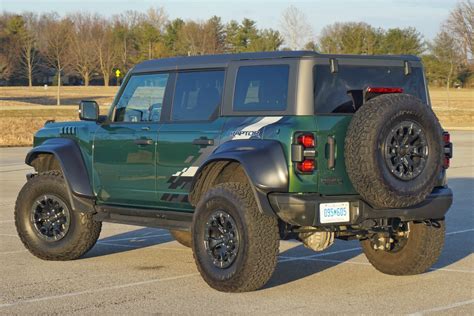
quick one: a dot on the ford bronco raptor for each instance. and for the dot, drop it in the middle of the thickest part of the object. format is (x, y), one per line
(233, 153)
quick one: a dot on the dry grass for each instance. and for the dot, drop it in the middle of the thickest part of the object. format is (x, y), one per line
(24, 110)
(25, 96)
(455, 112)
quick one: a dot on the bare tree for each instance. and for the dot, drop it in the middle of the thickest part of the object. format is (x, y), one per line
(295, 28)
(447, 53)
(82, 48)
(5, 69)
(153, 27)
(28, 45)
(56, 38)
(461, 24)
(104, 48)
(125, 24)
(195, 38)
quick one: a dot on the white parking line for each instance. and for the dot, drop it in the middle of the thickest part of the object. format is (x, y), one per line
(288, 259)
(460, 232)
(138, 237)
(103, 289)
(443, 308)
(139, 247)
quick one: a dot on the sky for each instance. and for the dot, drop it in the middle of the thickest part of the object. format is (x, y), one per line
(425, 15)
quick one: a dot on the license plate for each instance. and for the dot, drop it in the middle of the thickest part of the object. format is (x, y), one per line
(334, 212)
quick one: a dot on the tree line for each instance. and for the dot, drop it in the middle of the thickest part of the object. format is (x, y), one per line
(35, 47)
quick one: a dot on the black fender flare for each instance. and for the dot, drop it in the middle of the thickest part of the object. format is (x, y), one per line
(264, 163)
(73, 167)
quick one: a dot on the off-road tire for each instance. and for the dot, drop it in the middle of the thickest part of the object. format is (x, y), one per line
(421, 251)
(184, 238)
(83, 230)
(366, 167)
(259, 239)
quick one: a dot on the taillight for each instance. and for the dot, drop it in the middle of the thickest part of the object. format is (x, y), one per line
(448, 150)
(307, 140)
(384, 90)
(446, 137)
(306, 166)
(303, 152)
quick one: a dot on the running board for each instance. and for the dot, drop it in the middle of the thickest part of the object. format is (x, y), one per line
(144, 217)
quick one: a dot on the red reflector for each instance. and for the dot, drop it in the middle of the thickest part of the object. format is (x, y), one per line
(446, 163)
(307, 140)
(384, 90)
(446, 137)
(306, 166)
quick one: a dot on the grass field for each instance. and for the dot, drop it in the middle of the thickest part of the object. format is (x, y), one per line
(24, 110)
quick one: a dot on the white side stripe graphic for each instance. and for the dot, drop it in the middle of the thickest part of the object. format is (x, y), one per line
(246, 132)
(186, 172)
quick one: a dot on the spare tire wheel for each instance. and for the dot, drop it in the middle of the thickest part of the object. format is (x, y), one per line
(394, 151)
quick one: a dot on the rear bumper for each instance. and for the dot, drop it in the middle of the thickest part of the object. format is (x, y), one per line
(303, 209)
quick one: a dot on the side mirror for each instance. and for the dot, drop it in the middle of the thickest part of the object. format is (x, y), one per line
(88, 111)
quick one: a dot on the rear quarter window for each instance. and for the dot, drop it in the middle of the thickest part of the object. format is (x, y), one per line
(261, 88)
(333, 91)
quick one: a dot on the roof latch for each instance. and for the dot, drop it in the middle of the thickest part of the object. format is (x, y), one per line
(333, 65)
(406, 67)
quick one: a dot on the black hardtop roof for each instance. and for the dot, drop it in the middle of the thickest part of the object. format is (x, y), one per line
(222, 60)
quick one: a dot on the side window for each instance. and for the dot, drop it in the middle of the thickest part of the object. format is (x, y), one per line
(197, 95)
(261, 88)
(142, 99)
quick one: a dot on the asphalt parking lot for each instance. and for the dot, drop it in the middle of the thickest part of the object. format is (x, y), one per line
(135, 270)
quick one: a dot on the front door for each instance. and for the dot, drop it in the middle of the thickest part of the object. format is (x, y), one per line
(189, 135)
(124, 157)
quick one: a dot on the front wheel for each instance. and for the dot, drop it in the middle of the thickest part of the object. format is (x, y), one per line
(413, 250)
(235, 246)
(46, 223)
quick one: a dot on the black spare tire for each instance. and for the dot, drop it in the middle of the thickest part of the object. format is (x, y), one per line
(394, 151)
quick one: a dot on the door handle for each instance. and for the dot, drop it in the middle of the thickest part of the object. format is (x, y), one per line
(143, 141)
(203, 141)
(332, 152)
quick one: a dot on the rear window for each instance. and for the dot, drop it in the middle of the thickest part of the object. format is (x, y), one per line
(261, 88)
(339, 92)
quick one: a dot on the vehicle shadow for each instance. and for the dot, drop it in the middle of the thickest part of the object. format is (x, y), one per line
(132, 240)
(290, 268)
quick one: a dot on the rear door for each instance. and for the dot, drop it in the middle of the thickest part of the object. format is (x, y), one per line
(189, 134)
(338, 94)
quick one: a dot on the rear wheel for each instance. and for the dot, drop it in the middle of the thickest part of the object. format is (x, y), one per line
(413, 250)
(46, 223)
(235, 246)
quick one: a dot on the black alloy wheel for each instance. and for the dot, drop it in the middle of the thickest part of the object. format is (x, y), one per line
(406, 150)
(50, 217)
(221, 239)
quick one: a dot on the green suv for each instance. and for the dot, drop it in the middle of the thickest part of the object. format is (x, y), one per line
(233, 153)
